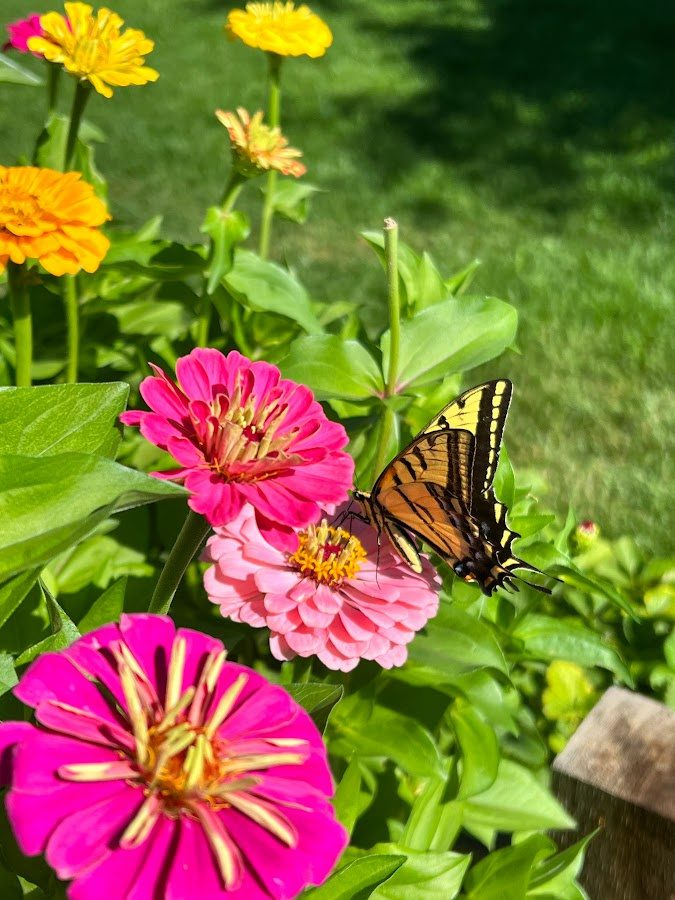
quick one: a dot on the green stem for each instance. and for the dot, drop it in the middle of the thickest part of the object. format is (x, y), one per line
(23, 323)
(232, 189)
(388, 421)
(391, 255)
(273, 119)
(73, 327)
(192, 534)
(53, 73)
(80, 97)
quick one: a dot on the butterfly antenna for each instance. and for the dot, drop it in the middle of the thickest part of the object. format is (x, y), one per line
(338, 520)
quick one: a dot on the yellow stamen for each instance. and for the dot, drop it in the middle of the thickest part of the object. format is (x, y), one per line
(225, 852)
(327, 554)
(277, 824)
(136, 712)
(142, 824)
(174, 681)
(112, 771)
(225, 705)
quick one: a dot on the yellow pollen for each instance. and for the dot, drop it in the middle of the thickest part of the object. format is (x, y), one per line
(327, 554)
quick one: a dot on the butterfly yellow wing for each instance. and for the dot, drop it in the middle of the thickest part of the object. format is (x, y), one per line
(482, 412)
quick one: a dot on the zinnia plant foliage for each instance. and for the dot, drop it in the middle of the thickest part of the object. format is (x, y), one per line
(214, 682)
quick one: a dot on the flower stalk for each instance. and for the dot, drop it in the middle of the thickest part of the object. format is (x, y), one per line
(387, 430)
(80, 97)
(273, 119)
(70, 301)
(53, 73)
(232, 190)
(192, 535)
(23, 323)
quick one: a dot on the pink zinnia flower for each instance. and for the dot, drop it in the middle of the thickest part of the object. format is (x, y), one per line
(241, 433)
(20, 31)
(159, 770)
(333, 595)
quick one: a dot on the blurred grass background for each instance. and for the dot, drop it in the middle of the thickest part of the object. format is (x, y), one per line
(537, 137)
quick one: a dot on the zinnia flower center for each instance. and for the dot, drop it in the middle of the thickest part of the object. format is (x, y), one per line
(327, 554)
(240, 440)
(89, 54)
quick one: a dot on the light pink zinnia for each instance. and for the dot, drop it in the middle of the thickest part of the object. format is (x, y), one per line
(19, 32)
(159, 771)
(332, 595)
(242, 434)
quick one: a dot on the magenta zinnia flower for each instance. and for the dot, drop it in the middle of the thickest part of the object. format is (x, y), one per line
(159, 770)
(241, 433)
(19, 32)
(333, 595)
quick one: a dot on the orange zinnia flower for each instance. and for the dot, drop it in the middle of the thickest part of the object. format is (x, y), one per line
(52, 218)
(256, 147)
(280, 28)
(94, 47)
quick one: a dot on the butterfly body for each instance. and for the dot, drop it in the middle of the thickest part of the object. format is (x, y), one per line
(439, 489)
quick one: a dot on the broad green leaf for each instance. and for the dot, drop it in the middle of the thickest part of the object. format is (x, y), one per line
(515, 802)
(64, 632)
(453, 336)
(569, 694)
(385, 733)
(318, 699)
(424, 876)
(480, 750)
(12, 72)
(593, 585)
(8, 677)
(226, 230)
(264, 286)
(48, 503)
(452, 643)
(98, 560)
(14, 591)
(291, 198)
(458, 283)
(359, 875)
(553, 876)
(349, 800)
(549, 638)
(107, 608)
(504, 481)
(485, 693)
(152, 317)
(56, 418)
(332, 367)
(506, 873)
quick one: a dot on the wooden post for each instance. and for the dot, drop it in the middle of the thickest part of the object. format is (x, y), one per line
(618, 773)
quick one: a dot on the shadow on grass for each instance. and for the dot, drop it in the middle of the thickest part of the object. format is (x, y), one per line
(523, 96)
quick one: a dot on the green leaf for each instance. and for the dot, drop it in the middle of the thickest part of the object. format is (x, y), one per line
(505, 480)
(557, 873)
(408, 264)
(12, 72)
(569, 694)
(359, 875)
(332, 367)
(108, 607)
(506, 873)
(349, 800)
(548, 638)
(64, 632)
(8, 676)
(453, 336)
(266, 287)
(424, 876)
(291, 199)
(14, 591)
(515, 802)
(98, 560)
(593, 585)
(152, 317)
(317, 699)
(48, 503)
(480, 750)
(382, 732)
(43, 421)
(452, 643)
(10, 886)
(226, 230)
(458, 283)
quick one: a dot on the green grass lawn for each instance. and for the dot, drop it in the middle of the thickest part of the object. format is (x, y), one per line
(538, 137)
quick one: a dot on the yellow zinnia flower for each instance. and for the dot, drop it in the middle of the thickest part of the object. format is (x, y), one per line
(50, 217)
(256, 147)
(94, 47)
(280, 28)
